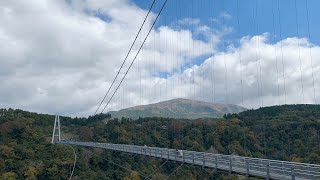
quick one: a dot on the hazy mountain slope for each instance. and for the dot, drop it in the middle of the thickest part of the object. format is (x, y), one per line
(178, 108)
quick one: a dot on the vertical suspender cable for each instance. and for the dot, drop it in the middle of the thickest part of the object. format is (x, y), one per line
(275, 52)
(300, 61)
(283, 70)
(282, 61)
(240, 64)
(239, 53)
(181, 71)
(259, 57)
(225, 64)
(254, 15)
(310, 53)
(311, 60)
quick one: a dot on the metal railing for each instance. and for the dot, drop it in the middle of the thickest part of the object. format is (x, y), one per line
(270, 169)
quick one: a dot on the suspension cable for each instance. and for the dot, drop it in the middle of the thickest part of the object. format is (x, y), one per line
(125, 59)
(135, 56)
(140, 174)
(75, 156)
(74, 162)
(175, 170)
(158, 168)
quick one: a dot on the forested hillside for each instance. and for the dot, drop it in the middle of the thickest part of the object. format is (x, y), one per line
(280, 132)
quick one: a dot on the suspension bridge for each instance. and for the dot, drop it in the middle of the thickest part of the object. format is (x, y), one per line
(248, 166)
(264, 168)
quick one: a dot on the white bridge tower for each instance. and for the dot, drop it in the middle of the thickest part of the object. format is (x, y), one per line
(56, 135)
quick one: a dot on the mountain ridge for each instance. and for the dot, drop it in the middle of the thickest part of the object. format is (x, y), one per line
(178, 108)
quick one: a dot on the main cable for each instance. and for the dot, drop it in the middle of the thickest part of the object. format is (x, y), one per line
(135, 55)
(125, 59)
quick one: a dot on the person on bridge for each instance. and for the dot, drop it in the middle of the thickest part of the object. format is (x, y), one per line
(145, 149)
(180, 153)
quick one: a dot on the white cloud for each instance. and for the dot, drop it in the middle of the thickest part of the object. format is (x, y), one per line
(222, 18)
(58, 56)
(260, 87)
(189, 21)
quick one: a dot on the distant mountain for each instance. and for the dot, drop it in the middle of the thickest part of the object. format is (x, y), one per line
(179, 108)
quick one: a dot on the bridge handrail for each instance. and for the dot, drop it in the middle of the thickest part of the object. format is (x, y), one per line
(254, 166)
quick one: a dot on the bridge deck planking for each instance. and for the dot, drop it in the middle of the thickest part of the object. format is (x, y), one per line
(236, 164)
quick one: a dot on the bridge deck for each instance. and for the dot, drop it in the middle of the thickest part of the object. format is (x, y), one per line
(265, 168)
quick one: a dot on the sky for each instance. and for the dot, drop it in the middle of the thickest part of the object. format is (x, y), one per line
(60, 56)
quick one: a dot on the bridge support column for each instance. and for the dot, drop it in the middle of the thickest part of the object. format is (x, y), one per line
(56, 135)
(168, 154)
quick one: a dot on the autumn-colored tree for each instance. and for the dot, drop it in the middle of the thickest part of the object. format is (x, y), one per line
(30, 173)
(134, 175)
(9, 176)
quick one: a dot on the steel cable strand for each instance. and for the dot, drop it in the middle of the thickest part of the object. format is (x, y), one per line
(75, 156)
(135, 55)
(74, 163)
(125, 59)
(275, 52)
(175, 170)
(310, 53)
(158, 168)
(140, 174)
(299, 50)
(281, 48)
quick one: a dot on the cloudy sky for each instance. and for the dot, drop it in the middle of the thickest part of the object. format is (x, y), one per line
(60, 56)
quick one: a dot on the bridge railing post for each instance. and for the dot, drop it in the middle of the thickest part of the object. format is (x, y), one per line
(175, 156)
(216, 163)
(192, 158)
(293, 176)
(247, 167)
(230, 164)
(268, 170)
(183, 156)
(203, 160)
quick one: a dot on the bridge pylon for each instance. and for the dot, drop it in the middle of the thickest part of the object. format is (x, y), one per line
(56, 135)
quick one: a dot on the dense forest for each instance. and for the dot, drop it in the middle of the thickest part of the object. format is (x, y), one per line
(289, 132)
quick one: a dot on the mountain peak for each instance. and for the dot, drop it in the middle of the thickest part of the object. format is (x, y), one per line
(178, 108)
